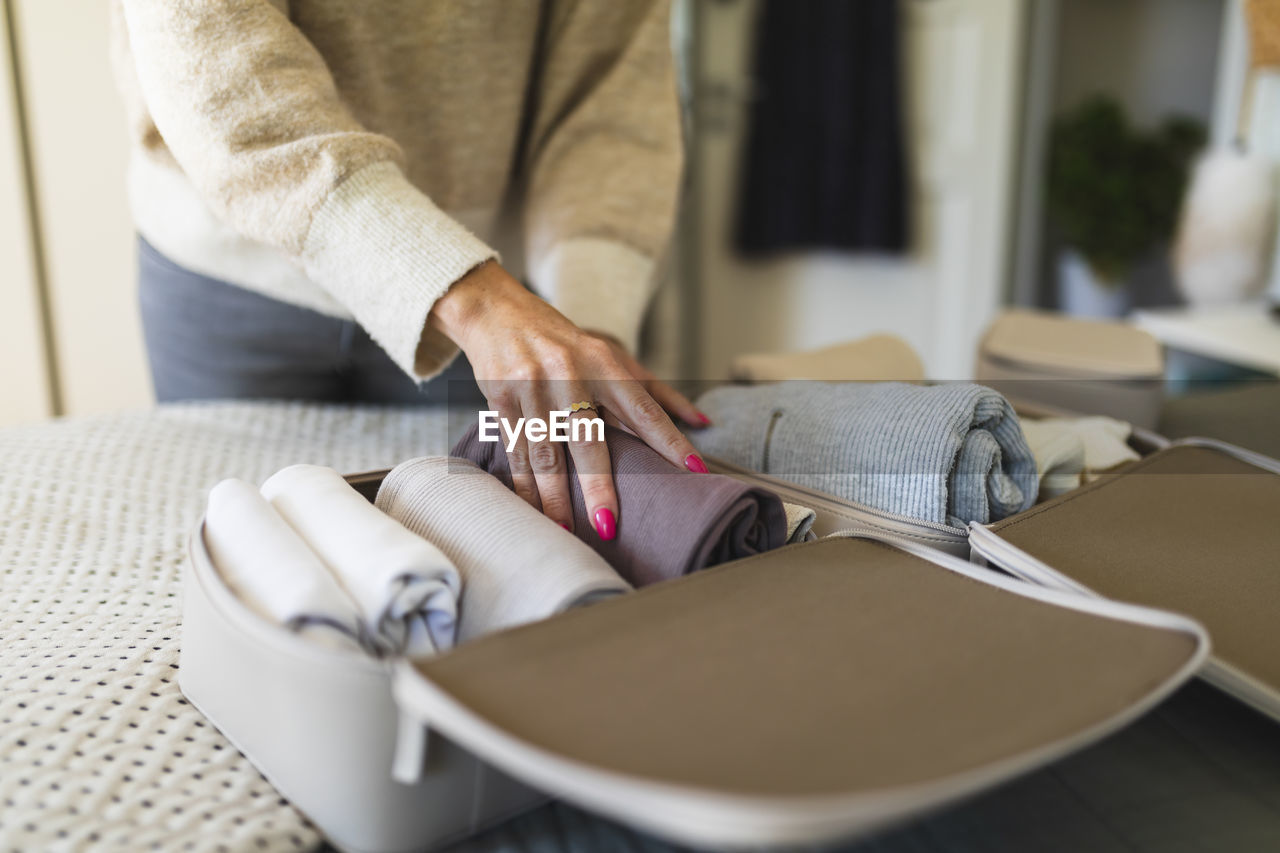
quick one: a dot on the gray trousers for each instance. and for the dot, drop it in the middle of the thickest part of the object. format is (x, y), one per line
(207, 339)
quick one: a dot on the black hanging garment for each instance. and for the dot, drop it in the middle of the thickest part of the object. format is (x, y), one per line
(824, 166)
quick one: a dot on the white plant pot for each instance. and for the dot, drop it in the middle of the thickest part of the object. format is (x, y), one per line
(1082, 294)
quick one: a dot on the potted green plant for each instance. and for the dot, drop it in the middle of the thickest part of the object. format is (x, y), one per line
(1113, 196)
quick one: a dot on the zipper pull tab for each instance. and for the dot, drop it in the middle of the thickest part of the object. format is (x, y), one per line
(410, 758)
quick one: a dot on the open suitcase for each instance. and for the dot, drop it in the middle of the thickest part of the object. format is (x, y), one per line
(837, 516)
(807, 694)
(1191, 528)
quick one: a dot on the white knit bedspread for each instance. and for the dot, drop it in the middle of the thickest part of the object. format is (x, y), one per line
(98, 749)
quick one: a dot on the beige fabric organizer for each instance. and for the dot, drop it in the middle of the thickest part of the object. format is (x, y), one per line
(1191, 528)
(1103, 368)
(806, 694)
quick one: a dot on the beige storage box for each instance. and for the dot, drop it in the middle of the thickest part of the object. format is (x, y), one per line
(1081, 366)
(874, 358)
(800, 696)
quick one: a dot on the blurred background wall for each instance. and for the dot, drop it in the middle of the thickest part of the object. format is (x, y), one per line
(69, 333)
(961, 67)
(982, 84)
(1155, 58)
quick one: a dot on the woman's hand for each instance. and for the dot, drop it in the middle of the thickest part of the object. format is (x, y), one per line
(529, 360)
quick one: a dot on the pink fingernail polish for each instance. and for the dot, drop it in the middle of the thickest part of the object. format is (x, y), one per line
(703, 419)
(565, 526)
(694, 464)
(605, 524)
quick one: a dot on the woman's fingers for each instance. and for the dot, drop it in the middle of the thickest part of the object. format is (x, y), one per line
(522, 479)
(546, 459)
(676, 403)
(538, 369)
(595, 472)
(636, 408)
(611, 419)
(670, 399)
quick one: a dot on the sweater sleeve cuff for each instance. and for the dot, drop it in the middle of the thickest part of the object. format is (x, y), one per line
(386, 252)
(601, 285)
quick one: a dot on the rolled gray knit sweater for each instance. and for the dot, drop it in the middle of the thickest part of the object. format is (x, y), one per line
(951, 453)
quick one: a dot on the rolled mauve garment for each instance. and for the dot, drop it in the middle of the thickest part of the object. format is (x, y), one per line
(670, 522)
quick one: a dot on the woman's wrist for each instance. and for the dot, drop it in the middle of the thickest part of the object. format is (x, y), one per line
(457, 313)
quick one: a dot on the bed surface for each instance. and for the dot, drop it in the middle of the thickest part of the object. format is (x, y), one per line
(97, 746)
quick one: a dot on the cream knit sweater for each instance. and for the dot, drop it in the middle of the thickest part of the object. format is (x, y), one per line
(328, 152)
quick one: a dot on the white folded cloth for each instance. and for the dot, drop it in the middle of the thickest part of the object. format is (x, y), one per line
(266, 565)
(517, 565)
(1103, 444)
(405, 588)
(1106, 443)
(1059, 457)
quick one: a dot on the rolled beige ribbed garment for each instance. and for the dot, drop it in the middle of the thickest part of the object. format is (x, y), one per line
(517, 565)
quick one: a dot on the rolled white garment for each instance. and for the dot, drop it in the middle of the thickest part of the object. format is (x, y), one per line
(517, 565)
(405, 588)
(265, 563)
